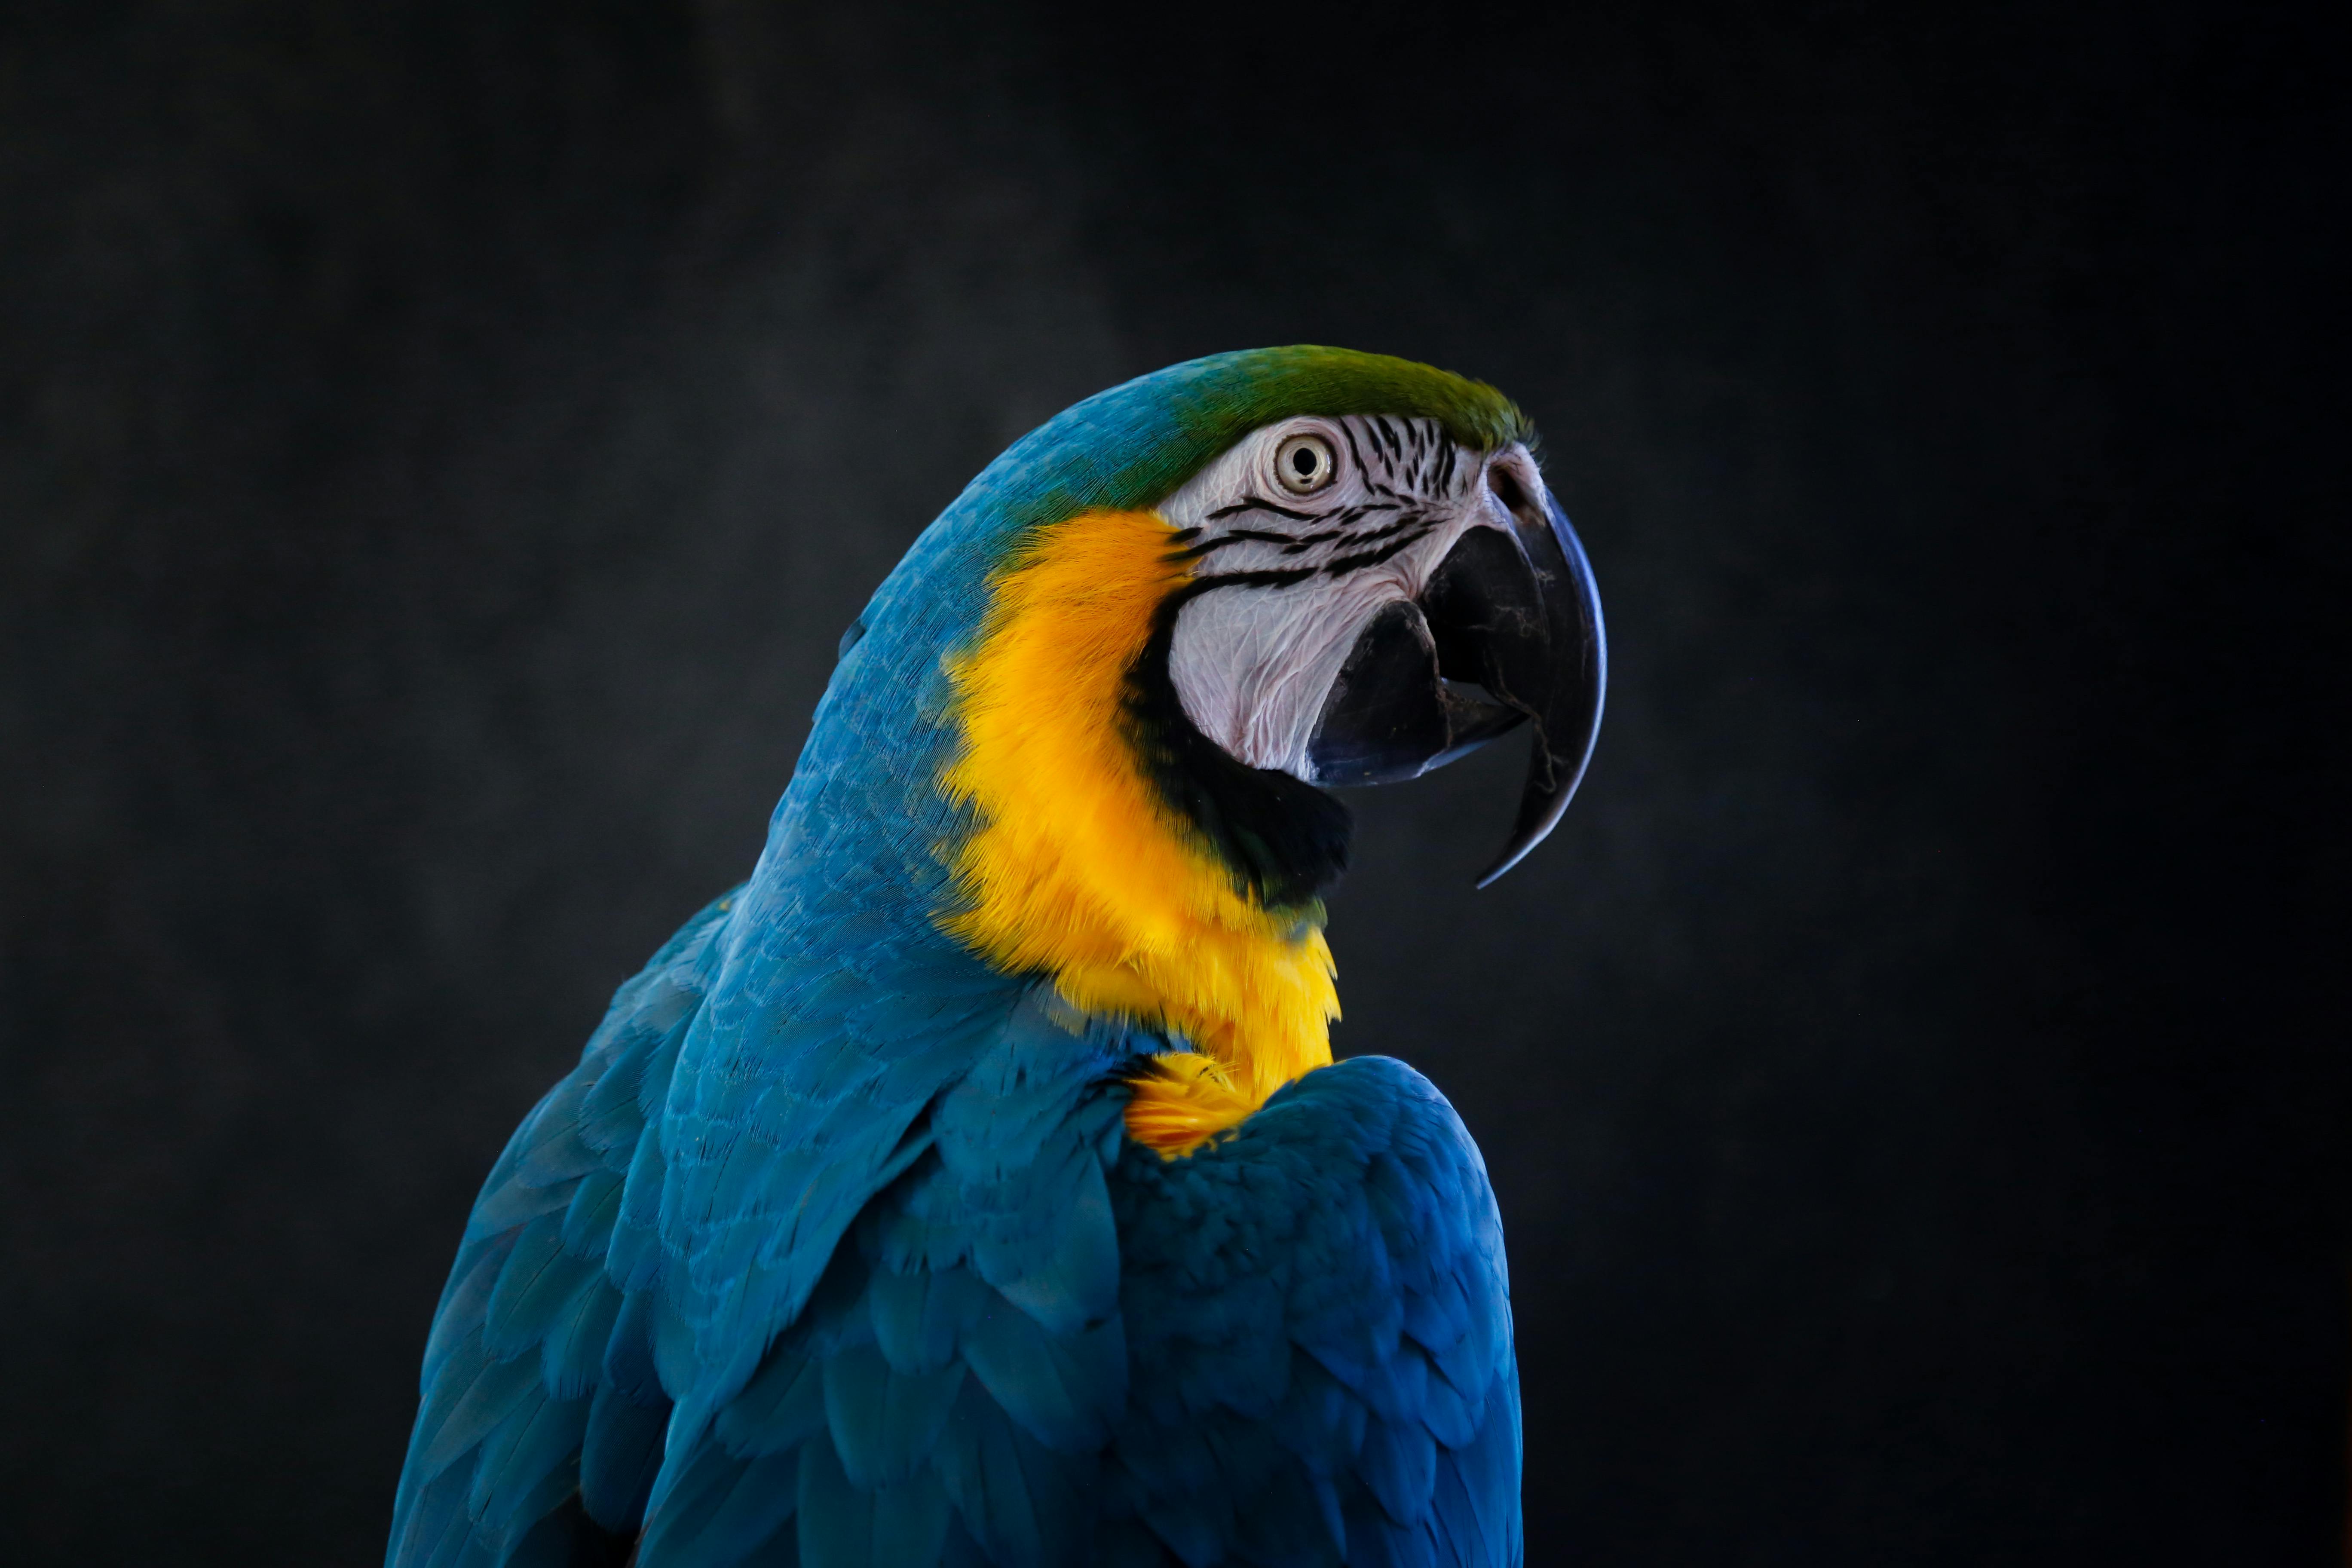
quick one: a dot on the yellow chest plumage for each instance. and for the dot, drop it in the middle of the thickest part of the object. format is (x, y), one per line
(1077, 868)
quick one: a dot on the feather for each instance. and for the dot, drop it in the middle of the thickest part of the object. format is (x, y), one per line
(1321, 1421)
(572, 1354)
(721, 1510)
(779, 1409)
(566, 1538)
(512, 1203)
(836, 1516)
(1064, 1274)
(629, 1363)
(529, 1502)
(1283, 1522)
(883, 1424)
(619, 1454)
(672, 1345)
(588, 1222)
(635, 1259)
(1451, 1419)
(1400, 1464)
(921, 1315)
(1127, 1544)
(539, 1280)
(552, 1151)
(910, 1521)
(1064, 1390)
(495, 1390)
(609, 1113)
(463, 1301)
(541, 1442)
(435, 1512)
(980, 1464)
(1487, 1472)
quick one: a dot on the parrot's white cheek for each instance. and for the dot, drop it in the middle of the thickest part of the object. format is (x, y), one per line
(1253, 667)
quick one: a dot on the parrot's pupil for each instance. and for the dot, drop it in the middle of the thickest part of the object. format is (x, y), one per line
(1303, 460)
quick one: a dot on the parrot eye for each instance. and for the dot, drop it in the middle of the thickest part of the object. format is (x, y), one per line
(1303, 463)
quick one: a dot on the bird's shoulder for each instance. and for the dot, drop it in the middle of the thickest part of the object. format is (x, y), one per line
(542, 1412)
(936, 1173)
(1319, 1320)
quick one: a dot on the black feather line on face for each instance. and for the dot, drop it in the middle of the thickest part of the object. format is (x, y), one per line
(1257, 503)
(1273, 577)
(1347, 563)
(1238, 536)
(1283, 840)
(1385, 531)
(1343, 526)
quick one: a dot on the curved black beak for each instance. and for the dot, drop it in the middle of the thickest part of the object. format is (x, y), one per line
(1509, 631)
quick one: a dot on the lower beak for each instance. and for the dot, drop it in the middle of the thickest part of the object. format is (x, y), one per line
(1509, 631)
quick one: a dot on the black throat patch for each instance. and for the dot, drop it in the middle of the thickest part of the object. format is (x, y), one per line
(1285, 841)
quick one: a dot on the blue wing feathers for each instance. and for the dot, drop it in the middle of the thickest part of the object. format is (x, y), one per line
(1349, 1221)
(920, 1316)
(538, 1446)
(1063, 1390)
(508, 1431)
(781, 1408)
(1319, 1420)
(633, 1257)
(882, 1302)
(1283, 1522)
(1021, 1501)
(435, 1529)
(619, 1453)
(538, 1280)
(836, 1517)
(723, 1508)
(911, 1520)
(463, 1300)
(883, 1424)
(908, 1456)
(588, 1221)
(495, 1391)
(629, 1368)
(1399, 1463)
(613, 1113)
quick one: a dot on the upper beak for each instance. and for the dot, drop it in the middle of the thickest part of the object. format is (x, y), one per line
(1507, 631)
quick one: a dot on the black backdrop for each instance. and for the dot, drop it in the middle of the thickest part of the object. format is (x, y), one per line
(442, 444)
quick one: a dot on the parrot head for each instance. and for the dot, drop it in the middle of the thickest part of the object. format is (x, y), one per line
(1132, 661)
(1369, 599)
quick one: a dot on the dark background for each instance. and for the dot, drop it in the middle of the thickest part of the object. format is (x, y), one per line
(440, 446)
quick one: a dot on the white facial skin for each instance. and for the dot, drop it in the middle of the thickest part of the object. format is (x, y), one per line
(1385, 500)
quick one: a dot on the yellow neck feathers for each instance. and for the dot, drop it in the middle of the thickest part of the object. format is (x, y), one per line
(1077, 869)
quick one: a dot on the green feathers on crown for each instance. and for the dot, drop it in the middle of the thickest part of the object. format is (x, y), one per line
(1133, 445)
(1256, 386)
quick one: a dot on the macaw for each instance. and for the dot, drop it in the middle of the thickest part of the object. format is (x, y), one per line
(975, 1183)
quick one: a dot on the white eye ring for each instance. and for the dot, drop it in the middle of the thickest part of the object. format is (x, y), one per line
(1305, 464)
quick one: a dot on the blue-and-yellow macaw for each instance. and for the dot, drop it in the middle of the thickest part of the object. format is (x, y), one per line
(974, 1184)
